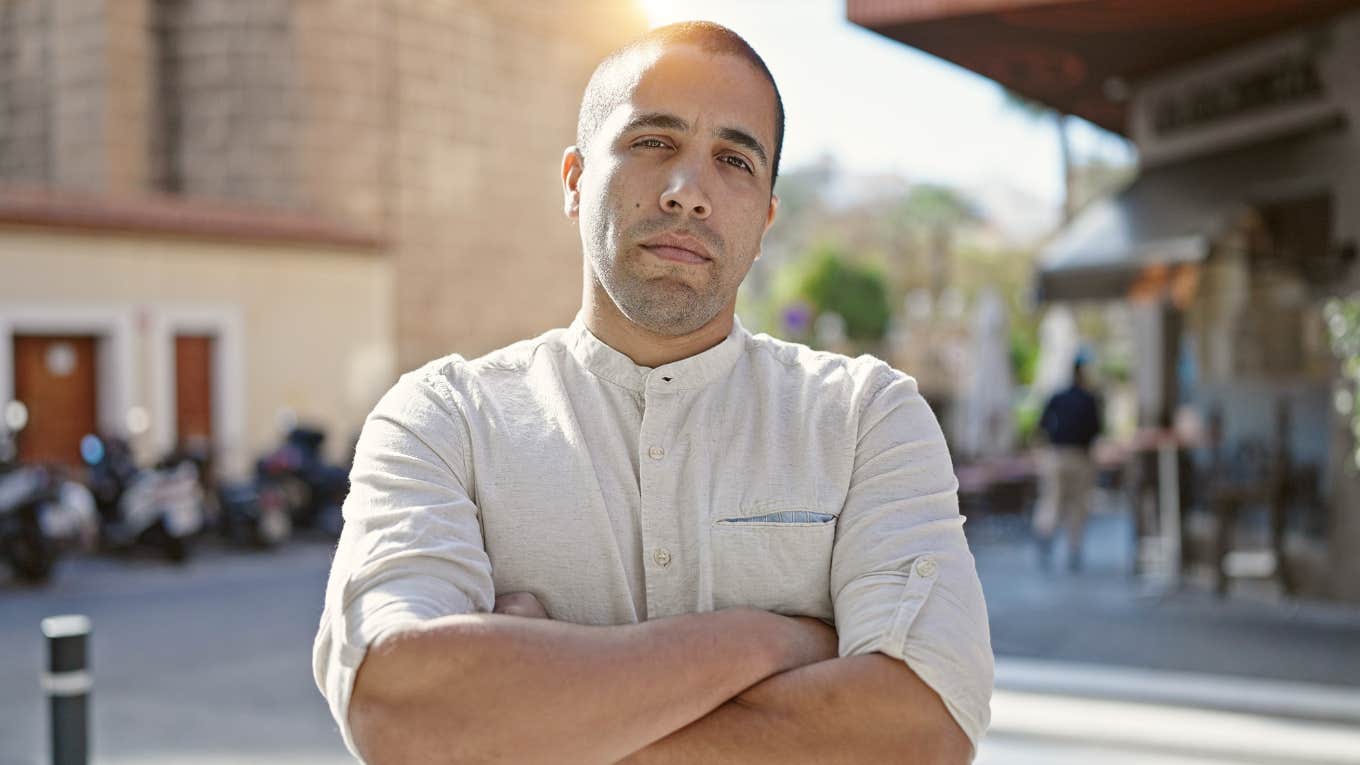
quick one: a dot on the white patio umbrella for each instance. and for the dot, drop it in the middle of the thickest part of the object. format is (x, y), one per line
(988, 420)
(1058, 346)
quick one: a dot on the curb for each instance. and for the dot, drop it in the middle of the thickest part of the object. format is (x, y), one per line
(1275, 698)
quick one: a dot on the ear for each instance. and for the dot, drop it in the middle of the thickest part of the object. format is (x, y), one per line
(573, 164)
(769, 220)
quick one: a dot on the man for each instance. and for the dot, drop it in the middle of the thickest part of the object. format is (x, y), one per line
(627, 541)
(1070, 421)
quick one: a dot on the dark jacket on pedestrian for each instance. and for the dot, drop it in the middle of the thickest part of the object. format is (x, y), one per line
(1072, 418)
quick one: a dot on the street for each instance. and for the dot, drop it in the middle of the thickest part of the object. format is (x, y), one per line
(210, 663)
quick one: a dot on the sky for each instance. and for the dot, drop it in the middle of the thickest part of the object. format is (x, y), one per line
(877, 106)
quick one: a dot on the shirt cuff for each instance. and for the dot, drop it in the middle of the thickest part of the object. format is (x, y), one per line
(342, 644)
(876, 613)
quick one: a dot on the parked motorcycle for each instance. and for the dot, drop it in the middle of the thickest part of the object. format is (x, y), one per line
(23, 494)
(243, 512)
(313, 490)
(254, 515)
(42, 515)
(162, 507)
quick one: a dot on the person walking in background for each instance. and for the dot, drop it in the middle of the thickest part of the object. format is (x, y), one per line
(1071, 420)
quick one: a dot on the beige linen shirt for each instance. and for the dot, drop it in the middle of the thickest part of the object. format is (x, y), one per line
(757, 473)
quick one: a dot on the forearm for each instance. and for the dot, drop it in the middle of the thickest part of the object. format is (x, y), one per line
(490, 687)
(855, 709)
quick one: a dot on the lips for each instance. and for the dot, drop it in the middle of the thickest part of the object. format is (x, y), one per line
(678, 248)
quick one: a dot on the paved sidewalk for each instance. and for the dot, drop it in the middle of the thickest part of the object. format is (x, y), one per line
(1103, 616)
(1097, 667)
(1061, 730)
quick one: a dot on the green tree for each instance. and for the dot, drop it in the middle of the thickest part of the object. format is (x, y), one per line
(937, 213)
(1037, 111)
(827, 279)
(1343, 322)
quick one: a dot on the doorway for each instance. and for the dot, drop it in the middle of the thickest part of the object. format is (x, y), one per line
(54, 377)
(193, 389)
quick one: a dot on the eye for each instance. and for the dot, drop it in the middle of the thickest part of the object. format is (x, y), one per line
(650, 143)
(738, 162)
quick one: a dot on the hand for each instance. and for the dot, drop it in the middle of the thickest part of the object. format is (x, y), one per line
(520, 604)
(813, 640)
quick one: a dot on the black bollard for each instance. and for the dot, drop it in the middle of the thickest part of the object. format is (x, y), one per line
(68, 683)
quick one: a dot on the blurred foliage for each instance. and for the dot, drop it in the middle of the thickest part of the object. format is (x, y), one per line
(827, 279)
(860, 245)
(1115, 369)
(1027, 413)
(856, 291)
(1343, 323)
(1024, 352)
(932, 205)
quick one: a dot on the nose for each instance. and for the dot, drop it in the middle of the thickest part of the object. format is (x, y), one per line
(684, 195)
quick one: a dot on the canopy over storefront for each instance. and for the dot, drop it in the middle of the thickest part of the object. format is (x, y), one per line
(1170, 217)
(1081, 56)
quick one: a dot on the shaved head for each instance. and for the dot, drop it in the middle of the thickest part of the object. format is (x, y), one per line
(621, 70)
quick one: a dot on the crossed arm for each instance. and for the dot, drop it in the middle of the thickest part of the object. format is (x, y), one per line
(738, 685)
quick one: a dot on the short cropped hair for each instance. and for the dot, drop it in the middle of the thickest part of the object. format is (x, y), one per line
(603, 90)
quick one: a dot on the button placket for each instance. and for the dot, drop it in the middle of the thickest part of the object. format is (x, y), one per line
(657, 527)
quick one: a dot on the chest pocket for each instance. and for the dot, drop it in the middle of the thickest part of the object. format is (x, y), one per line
(774, 558)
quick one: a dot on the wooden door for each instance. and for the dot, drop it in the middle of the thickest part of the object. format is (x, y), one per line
(193, 388)
(55, 378)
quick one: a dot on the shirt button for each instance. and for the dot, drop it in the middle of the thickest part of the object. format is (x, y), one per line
(662, 556)
(926, 567)
(656, 452)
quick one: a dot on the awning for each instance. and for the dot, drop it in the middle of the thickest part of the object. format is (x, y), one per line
(1145, 233)
(1080, 56)
(1162, 225)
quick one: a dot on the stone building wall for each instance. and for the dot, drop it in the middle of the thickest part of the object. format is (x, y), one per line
(436, 126)
(486, 101)
(25, 74)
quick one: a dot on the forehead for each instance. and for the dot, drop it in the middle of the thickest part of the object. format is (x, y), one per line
(708, 90)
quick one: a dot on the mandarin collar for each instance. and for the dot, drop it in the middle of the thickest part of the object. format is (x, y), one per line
(685, 374)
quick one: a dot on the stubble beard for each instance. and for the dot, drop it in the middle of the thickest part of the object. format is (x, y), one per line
(661, 301)
(654, 295)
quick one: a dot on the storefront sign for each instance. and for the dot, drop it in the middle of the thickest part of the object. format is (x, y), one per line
(1284, 81)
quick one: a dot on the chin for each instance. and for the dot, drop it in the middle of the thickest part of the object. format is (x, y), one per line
(668, 322)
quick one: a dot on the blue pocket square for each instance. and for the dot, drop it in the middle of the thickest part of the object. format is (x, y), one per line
(784, 516)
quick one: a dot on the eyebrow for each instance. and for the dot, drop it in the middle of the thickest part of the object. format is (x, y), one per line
(656, 120)
(671, 122)
(745, 140)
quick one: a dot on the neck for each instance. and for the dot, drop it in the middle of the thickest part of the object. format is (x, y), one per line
(644, 347)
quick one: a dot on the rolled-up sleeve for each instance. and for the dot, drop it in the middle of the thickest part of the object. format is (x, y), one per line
(903, 580)
(411, 549)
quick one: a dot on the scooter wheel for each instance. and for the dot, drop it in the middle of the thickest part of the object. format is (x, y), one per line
(32, 559)
(177, 549)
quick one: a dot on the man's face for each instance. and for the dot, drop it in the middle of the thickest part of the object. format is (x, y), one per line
(673, 195)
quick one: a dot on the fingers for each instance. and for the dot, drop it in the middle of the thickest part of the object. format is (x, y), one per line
(520, 604)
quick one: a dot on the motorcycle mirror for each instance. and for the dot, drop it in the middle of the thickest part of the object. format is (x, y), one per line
(92, 449)
(15, 416)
